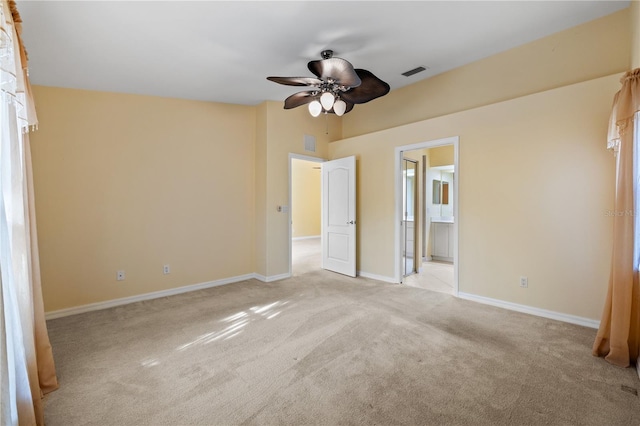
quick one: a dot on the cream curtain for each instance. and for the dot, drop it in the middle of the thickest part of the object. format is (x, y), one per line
(26, 363)
(618, 338)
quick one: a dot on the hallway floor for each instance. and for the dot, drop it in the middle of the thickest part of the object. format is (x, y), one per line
(306, 255)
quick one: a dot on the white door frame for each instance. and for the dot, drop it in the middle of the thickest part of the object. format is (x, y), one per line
(455, 141)
(416, 199)
(291, 158)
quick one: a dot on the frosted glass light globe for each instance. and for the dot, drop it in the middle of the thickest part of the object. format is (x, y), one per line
(315, 108)
(339, 107)
(327, 100)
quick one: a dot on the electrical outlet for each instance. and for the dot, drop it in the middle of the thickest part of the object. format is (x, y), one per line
(166, 269)
(120, 275)
(524, 282)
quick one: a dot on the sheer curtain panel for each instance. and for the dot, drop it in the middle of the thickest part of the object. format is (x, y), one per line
(618, 338)
(26, 363)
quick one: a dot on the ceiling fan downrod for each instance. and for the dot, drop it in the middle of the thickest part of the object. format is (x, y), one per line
(326, 54)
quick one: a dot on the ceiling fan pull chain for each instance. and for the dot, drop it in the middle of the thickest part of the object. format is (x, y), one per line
(326, 123)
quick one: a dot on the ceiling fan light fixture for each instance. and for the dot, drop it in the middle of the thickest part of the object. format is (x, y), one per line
(315, 108)
(336, 87)
(327, 99)
(339, 107)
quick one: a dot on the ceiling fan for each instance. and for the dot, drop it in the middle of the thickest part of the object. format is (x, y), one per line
(337, 88)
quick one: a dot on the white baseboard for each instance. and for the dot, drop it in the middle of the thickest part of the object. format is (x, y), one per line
(147, 296)
(311, 237)
(377, 277)
(586, 322)
(442, 259)
(572, 319)
(271, 278)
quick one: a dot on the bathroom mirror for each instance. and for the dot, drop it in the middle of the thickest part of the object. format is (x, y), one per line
(440, 192)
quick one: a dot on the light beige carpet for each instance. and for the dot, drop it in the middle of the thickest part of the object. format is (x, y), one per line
(321, 348)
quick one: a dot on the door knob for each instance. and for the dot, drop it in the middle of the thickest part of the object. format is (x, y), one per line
(353, 222)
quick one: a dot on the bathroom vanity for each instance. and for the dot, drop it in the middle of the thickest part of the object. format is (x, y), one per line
(442, 239)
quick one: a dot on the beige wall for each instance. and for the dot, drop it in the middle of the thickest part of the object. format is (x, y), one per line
(594, 49)
(305, 198)
(535, 183)
(127, 182)
(635, 37)
(135, 182)
(260, 189)
(119, 178)
(441, 156)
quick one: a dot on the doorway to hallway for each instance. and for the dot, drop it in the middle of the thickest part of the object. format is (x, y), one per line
(306, 205)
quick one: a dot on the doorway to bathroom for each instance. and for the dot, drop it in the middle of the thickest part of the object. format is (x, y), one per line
(426, 209)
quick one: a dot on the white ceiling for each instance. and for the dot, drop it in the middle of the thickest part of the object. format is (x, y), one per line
(223, 51)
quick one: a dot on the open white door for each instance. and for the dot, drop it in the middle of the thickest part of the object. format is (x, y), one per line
(339, 216)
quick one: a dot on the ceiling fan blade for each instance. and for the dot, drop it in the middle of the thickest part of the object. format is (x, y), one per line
(349, 107)
(337, 69)
(296, 81)
(298, 99)
(372, 87)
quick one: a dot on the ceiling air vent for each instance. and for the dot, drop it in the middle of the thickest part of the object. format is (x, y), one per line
(413, 71)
